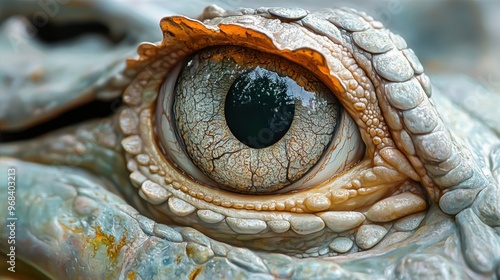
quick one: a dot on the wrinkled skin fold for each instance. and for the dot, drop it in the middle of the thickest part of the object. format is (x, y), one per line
(80, 216)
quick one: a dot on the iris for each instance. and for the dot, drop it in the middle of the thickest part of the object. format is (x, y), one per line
(250, 122)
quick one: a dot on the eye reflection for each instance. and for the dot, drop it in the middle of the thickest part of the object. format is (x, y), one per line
(260, 107)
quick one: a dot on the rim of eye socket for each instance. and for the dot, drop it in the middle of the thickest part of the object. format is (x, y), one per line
(173, 194)
(336, 192)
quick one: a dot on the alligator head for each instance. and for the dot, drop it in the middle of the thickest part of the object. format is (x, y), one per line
(258, 143)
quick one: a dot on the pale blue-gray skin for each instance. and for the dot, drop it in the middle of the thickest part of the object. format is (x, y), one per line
(74, 185)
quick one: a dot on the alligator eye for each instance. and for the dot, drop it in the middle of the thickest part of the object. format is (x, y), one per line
(253, 122)
(263, 140)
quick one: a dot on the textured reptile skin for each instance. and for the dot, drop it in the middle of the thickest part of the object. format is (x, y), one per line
(70, 212)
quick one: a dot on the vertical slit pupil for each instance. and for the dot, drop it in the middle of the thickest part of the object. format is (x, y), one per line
(260, 107)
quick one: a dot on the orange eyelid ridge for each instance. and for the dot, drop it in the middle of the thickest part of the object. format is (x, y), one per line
(189, 36)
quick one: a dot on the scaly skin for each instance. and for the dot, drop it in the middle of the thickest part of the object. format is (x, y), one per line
(73, 221)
